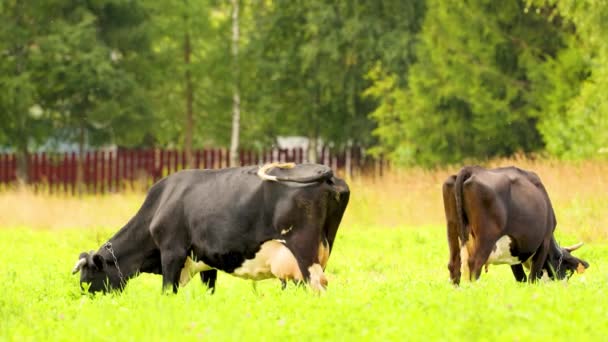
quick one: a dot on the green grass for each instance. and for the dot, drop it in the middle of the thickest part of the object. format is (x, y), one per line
(384, 284)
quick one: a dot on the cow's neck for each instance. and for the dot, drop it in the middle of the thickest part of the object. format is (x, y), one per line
(130, 245)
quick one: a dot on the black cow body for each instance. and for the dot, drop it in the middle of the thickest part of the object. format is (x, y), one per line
(503, 216)
(256, 223)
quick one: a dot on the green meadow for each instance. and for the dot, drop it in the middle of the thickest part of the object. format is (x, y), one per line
(384, 284)
(388, 278)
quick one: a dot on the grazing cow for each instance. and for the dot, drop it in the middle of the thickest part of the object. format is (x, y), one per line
(503, 216)
(279, 220)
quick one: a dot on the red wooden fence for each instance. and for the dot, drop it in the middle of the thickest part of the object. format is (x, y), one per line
(115, 171)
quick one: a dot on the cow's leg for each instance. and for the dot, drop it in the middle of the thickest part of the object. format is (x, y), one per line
(479, 258)
(454, 262)
(305, 262)
(172, 261)
(449, 204)
(538, 260)
(485, 240)
(518, 272)
(173, 242)
(487, 218)
(208, 278)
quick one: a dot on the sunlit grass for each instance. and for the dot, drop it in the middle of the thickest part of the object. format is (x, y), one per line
(384, 284)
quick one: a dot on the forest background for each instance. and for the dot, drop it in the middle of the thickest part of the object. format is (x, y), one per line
(424, 82)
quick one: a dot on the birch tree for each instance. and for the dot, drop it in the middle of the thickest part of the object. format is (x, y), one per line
(236, 97)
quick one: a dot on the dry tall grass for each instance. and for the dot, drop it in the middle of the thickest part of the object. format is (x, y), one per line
(412, 197)
(401, 198)
(25, 209)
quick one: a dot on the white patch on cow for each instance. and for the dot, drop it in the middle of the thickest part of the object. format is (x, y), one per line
(287, 230)
(501, 254)
(465, 272)
(318, 281)
(545, 277)
(273, 259)
(191, 268)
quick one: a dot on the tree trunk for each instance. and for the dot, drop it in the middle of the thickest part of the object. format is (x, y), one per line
(22, 153)
(189, 122)
(348, 168)
(313, 148)
(80, 162)
(23, 165)
(236, 97)
(313, 134)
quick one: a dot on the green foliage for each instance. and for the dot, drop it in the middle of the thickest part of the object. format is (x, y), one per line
(209, 32)
(22, 121)
(427, 82)
(86, 84)
(315, 55)
(392, 287)
(71, 68)
(469, 94)
(495, 78)
(574, 123)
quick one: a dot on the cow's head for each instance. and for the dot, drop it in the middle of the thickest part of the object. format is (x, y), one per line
(97, 272)
(565, 264)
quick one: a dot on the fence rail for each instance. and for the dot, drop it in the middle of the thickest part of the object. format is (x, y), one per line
(123, 169)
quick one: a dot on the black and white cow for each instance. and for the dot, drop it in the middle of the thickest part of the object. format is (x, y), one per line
(276, 221)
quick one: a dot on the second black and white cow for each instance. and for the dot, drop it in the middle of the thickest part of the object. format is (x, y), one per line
(277, 221)
(503, 216)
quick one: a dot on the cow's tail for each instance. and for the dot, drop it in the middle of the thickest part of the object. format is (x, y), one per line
(318, 177)
(463, 228)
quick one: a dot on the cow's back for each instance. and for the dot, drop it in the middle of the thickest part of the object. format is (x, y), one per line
(218, 211)
(513, 199)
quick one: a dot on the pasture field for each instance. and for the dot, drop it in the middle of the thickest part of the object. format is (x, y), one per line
(387, 275)
(384, 284)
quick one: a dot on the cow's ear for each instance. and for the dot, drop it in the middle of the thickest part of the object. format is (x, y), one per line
(98, 261)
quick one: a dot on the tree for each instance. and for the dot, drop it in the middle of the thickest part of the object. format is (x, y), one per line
(236, 97)
(471, 92)
(314, 56)
(200, 82)
(576, 117)
(23, 124)
(88, 78)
